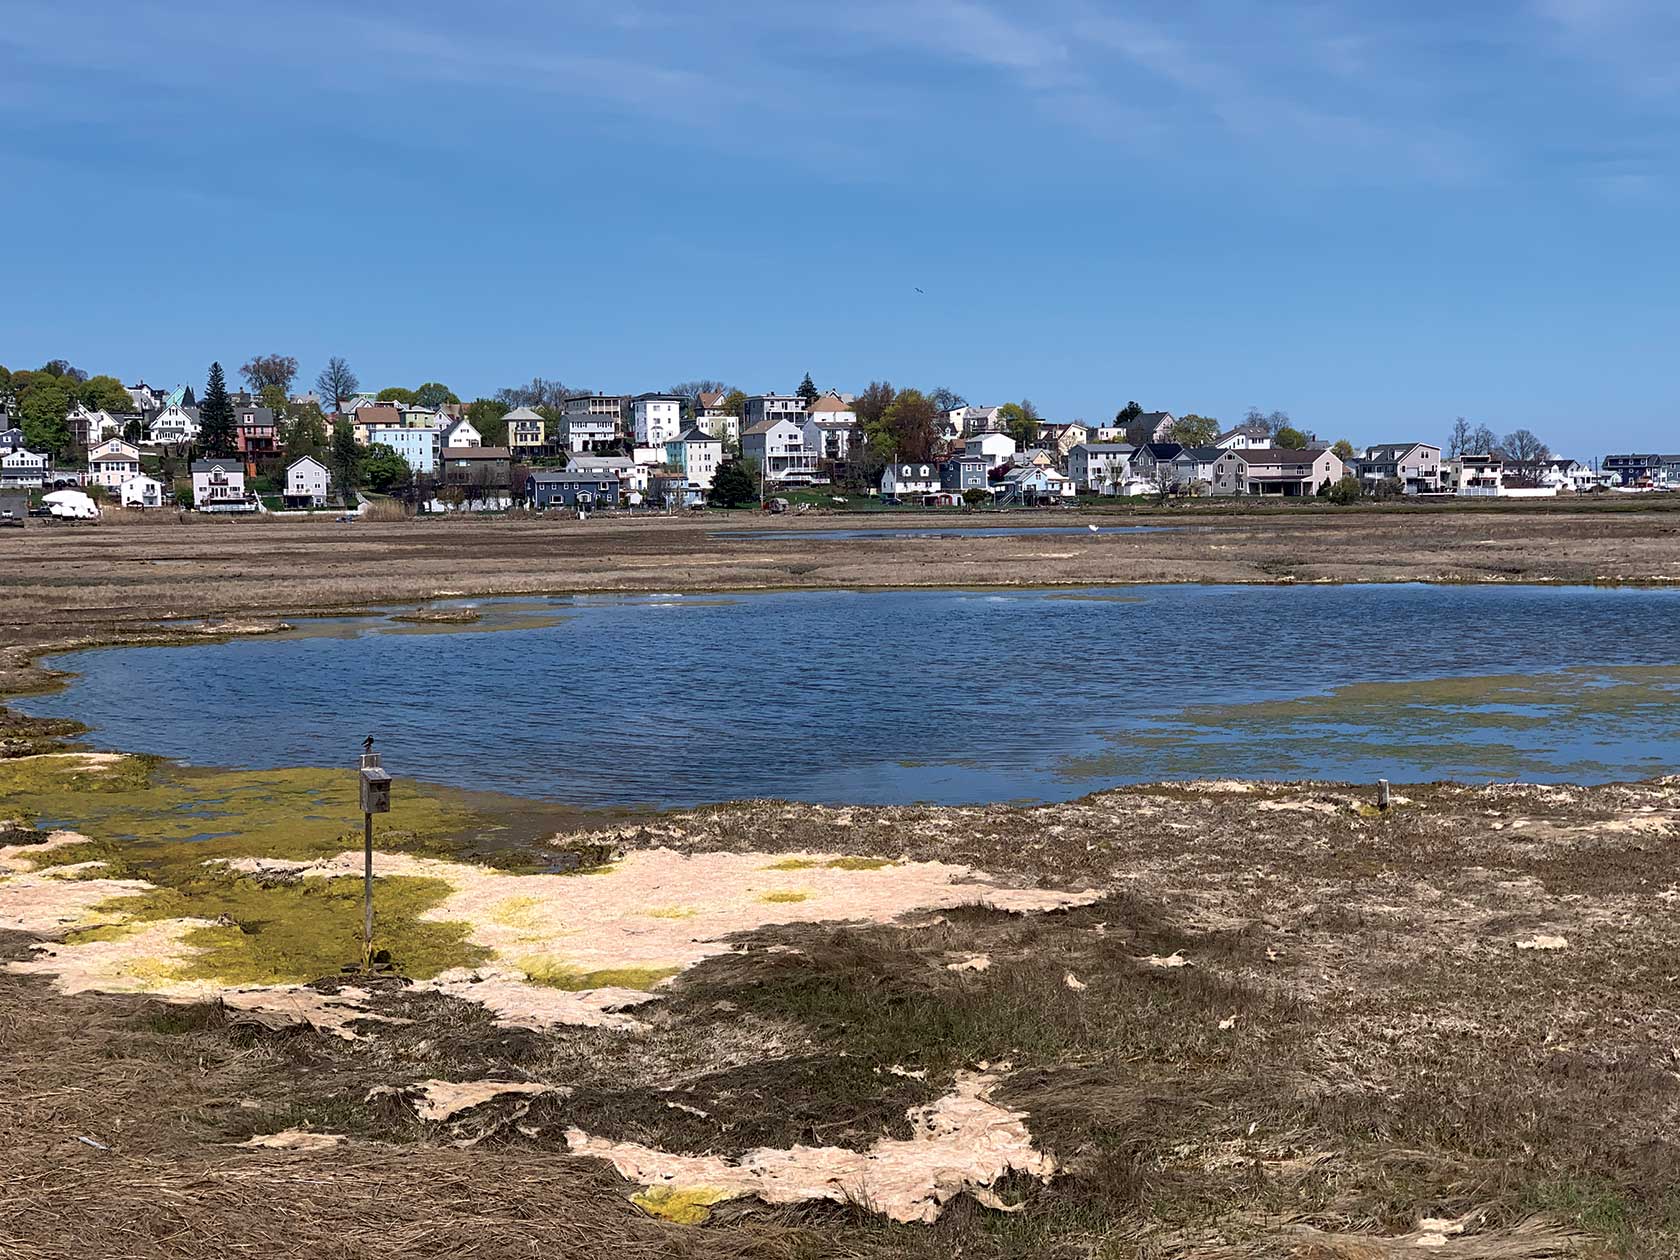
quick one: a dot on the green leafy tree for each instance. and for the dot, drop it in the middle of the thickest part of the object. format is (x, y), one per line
(733, 484)
(304, 433)
(270, 371)
(808, 390)
(974, 496)
(1343, 449)
(907, 429)
(435, 394)
(488, 416)
(1131, 411)
(1194, 430)
(1290, 438)
(383, 469)
(1020, 421)
(346, 458)
(396, 394)
(336, 383)
(734, 403)
(1344, 492)
(274, 398)
(42, 409)
(215, 415)
(104, 393)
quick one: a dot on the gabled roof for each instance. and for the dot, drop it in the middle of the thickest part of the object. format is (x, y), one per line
(231, 464)
(1201, 454)
(475, 452)
(829, 402)
(306, 459)
(1104, 448)
(712, 398)
(694, 434)
(764, 426)
(1161, 450)
(1390, 452)
(1277, 455)
(522, 413)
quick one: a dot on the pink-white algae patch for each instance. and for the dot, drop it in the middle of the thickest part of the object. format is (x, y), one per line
(642, 919)
(963, 1143)
(436, 1101)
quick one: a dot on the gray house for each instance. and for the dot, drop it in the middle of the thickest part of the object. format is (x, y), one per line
(964, 472)
(568, 488)
(1415, 465)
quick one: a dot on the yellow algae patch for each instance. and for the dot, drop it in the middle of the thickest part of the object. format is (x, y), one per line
(965, 1142)
(784, 898)
(671, 912)
(558, 976)
(832, 864)
(140, 810)
(684, 1205)
(239, 932)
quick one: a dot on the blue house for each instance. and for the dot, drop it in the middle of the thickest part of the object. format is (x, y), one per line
(964, 472)
(568, 488)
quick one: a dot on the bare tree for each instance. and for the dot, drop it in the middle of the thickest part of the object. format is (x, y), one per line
(1163, 480)
(541, 392)
(1523, 449)
(336, 382)
(1458, 438)
(1482, 441)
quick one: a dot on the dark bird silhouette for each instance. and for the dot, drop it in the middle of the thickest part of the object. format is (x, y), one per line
(919, 290)
(367, 744)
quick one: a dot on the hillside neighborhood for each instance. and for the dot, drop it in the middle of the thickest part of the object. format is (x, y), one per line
(81, 442)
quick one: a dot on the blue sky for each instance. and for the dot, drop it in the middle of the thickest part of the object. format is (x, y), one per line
(1372, 215)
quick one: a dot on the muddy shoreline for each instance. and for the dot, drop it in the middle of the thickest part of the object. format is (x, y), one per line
(1289, 1025)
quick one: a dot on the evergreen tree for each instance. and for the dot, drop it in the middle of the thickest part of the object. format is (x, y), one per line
(215, 416)
(808, 390)
(346, 458)
(733, 485)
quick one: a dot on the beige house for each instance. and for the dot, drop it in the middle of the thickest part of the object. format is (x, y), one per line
(112, 463)
(1271, 470)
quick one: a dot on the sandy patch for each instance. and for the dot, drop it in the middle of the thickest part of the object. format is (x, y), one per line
(295, 1140)
(963, 1142)
(437, 1101)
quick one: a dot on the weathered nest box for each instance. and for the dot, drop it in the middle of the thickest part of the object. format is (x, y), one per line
(376, 791)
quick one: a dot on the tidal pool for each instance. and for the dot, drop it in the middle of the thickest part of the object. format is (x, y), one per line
(939, 696)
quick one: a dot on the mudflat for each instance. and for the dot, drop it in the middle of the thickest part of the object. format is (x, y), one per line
(1206, 1019)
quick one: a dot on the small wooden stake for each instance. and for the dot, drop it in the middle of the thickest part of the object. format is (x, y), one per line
(1382, 794)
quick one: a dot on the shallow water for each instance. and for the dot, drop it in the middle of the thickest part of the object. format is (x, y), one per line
(940, 531)
(944, 696)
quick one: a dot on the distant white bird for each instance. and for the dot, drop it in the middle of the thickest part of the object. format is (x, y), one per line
(1092, 528)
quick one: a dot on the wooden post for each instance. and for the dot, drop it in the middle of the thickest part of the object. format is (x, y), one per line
(367, 892)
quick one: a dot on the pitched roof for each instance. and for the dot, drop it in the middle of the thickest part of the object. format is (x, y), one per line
(230, 464)
(829, 402)
(306, 459)
(475, 452)
(1202, 454)
(1278, 455)
(1389, 452)
(713, 398)
(522, 413)
(695, 434)
(1104, 448)
(550, 476)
